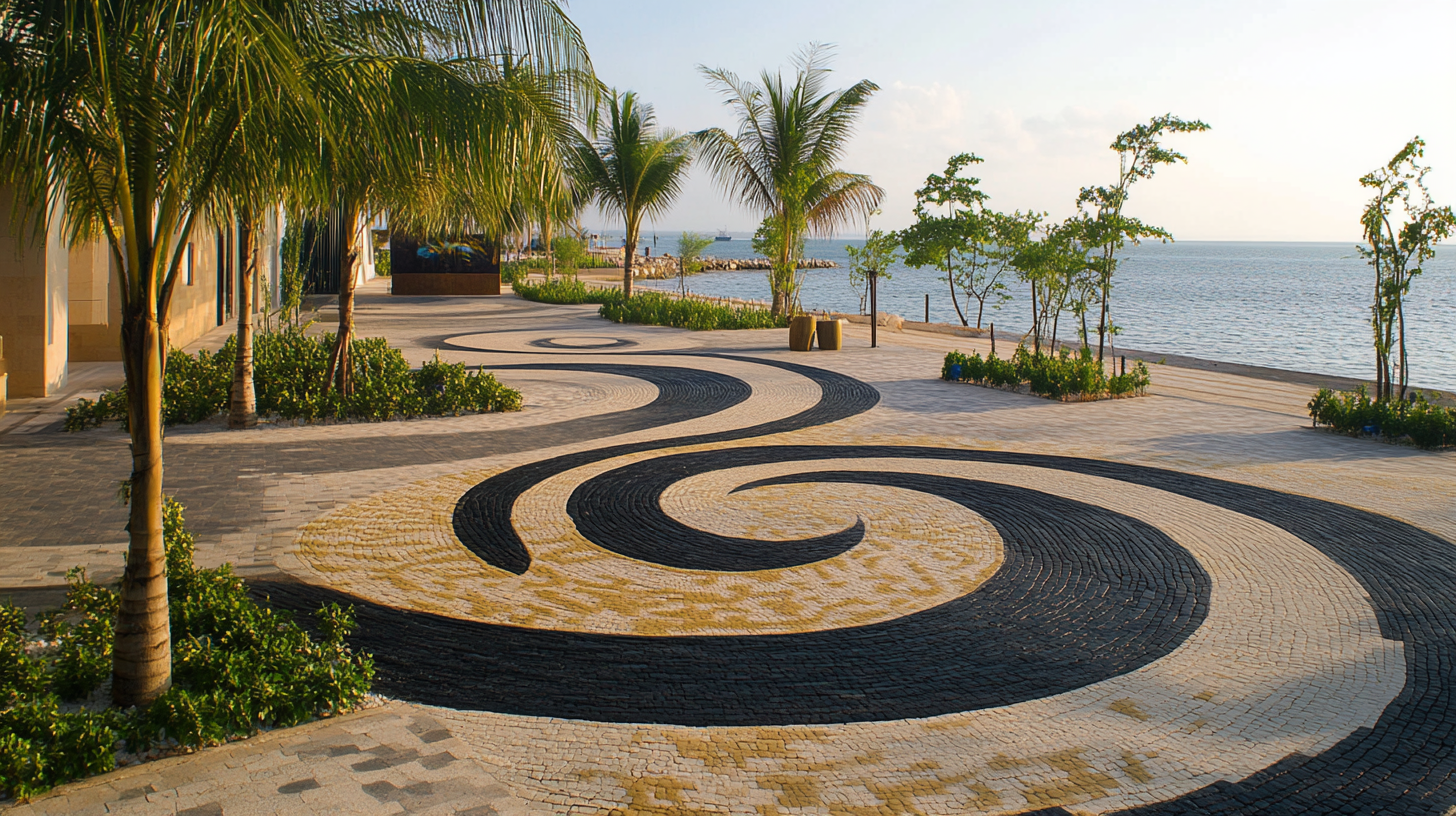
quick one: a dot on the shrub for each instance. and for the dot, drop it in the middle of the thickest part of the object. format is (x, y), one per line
(288, 377)
(1417, 421)
(1057, 376)
(658, 309)
(237, 666)
(565, 291)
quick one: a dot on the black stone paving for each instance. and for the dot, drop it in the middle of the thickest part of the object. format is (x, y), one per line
(1084, 594)
(1403, 765)
(483, 515)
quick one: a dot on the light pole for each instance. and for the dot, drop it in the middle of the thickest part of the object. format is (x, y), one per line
(874, 308)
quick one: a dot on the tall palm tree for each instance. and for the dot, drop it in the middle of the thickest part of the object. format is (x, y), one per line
(631, 167)
(434, 120)
(783, 161)
(123, 118)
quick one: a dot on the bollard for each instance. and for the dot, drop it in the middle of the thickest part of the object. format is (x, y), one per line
(801, 333)
(831, 334)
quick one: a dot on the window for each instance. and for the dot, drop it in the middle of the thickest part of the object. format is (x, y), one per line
(187, 266)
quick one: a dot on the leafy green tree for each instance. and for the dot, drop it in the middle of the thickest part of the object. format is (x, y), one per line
(973, 245)
(1139, 152)
(122, 119)
(1402, 227)
(783, 160)
(880, 252)
(631, 168)
(690, 246)
(1059, 270)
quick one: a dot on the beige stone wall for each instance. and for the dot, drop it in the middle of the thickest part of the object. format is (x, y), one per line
(95, 332)
(34, 306)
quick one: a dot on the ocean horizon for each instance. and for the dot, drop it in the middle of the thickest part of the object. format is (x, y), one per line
(1298, 306)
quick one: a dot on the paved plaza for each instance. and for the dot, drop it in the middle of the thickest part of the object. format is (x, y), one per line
(702, 574)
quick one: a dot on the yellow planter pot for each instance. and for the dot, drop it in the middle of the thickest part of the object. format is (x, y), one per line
(801, 333)
(831, 335)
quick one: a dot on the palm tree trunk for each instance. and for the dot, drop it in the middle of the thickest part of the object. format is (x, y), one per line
(142, 659)
(243, 407)
(341, 365)
(627, 253)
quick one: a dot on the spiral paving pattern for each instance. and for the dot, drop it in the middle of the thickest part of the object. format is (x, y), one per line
(903, 629)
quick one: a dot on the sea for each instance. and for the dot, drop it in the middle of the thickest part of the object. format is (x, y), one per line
(1293, 306)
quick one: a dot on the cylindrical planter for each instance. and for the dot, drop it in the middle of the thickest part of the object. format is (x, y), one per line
(831, 335)
(801, 333)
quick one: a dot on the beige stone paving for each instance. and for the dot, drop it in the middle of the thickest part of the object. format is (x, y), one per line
(393, 759)
(1290, 658)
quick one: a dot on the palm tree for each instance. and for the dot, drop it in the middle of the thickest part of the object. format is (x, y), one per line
(783, 160)
(440, 131)
(123, 119)
(631, 168)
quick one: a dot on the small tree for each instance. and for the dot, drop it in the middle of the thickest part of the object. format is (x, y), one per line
(690, 246)
(570, 254)
(1402, 227)
(973, 245)
(1060, 273)
(880, 251)
(1139, 153)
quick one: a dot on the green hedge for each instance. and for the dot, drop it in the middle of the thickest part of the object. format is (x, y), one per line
(288, 378)
(1057, 376)
(564, 291)
(1354, 412)
(237, 666)
(652, 308)
(657, 309)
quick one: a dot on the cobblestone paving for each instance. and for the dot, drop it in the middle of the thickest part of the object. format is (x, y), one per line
(702, 575)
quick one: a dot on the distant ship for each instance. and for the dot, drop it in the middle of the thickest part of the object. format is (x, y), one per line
(723, 236)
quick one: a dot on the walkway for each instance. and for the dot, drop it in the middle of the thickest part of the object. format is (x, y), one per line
(701, 574)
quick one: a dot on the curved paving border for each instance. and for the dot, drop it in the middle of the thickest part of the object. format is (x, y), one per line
(1402, 764)
(1083, 594)
(483, 515)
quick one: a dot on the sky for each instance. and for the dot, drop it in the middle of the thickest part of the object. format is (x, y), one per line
(1303, 98)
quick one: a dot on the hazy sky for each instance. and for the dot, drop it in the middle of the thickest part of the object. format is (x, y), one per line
(1303, 98)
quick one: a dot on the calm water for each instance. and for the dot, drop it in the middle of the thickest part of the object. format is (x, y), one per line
(1303, 307)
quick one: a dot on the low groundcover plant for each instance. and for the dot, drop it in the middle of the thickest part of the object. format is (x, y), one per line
(1061, 376)
(237, 667)
(288, 377)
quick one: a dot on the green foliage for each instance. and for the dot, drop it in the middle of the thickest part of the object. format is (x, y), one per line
(1402, 227)
(1416, 420)
(657, 309)
(690, 246)
(382, 264)
(85, 628)
(1059, 376)
(41, 747)
(973, 245)
(289, 369)
(879, 253)
(237, 666)
(570, 254)
(567, 291)
(783, 160)
(629, 166)
(1107, 229)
